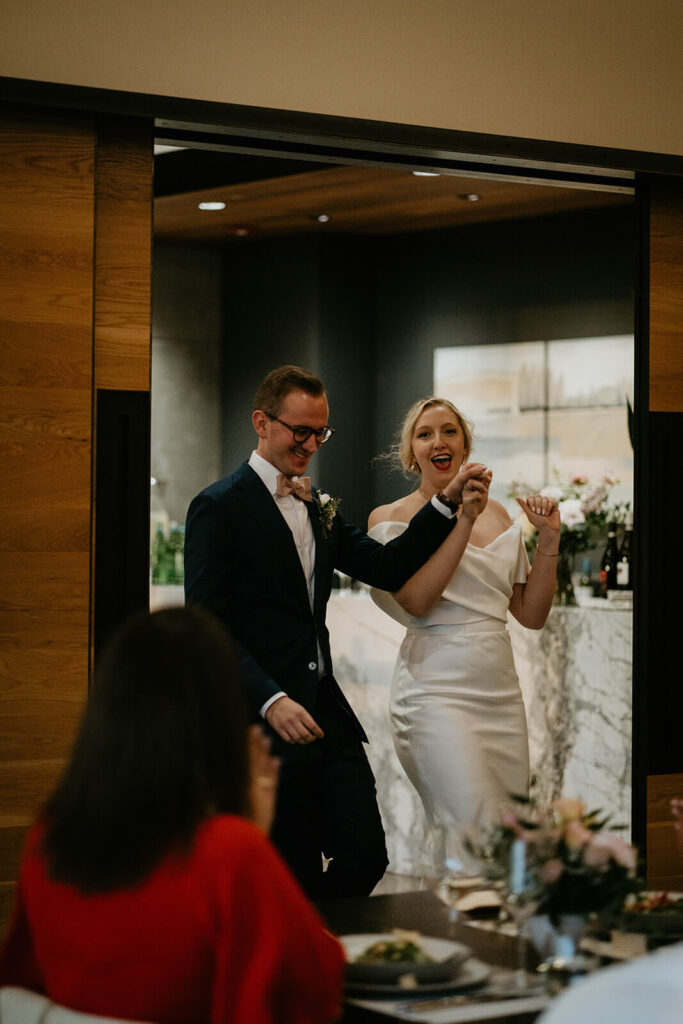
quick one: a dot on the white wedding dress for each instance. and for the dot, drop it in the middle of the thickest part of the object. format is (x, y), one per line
(457, 714)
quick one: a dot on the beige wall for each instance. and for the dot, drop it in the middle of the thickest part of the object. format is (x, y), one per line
(596, 72)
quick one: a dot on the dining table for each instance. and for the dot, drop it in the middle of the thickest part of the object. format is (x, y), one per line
(421, 911)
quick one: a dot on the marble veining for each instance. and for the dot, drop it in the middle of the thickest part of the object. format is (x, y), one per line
(575, 676)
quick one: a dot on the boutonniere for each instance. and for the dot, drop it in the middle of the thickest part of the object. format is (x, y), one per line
(327, 510)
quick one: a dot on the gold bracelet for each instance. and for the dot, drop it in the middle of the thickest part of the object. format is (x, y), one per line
(547, 553)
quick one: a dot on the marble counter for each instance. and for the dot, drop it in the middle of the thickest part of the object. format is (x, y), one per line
(575, 676)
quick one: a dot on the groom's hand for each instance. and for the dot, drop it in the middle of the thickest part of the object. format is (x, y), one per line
(292, 721)
(473, 474)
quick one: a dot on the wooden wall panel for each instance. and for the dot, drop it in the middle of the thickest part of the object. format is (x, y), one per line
(664, 857)
(46, 311)
(666, 296)
(124, 175)
(75, 273)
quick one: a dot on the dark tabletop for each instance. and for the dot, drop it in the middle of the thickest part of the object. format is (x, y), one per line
(423, 912)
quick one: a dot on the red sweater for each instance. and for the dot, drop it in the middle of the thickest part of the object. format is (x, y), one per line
(222, 935)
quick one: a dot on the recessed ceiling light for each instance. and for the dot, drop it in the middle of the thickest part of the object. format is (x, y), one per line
(426, 174)
(212, 206)
(323, 218)
(469, 197)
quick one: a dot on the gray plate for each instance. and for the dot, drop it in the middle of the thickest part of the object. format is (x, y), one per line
(471, 974)
(447, 957)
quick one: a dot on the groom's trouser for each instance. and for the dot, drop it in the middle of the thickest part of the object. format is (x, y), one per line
(327, 804)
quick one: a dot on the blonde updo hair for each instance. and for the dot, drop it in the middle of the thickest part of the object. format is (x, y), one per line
(404, 449)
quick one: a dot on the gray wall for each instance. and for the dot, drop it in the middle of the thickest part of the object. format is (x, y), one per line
(186, 360)
(564, 276)
(305, 301)
(366, 314)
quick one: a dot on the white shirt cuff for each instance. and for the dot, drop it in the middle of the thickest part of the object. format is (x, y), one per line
(271, 700)
(443, 509)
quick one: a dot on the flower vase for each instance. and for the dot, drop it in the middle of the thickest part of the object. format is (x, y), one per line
(564, 590)
(562, 939)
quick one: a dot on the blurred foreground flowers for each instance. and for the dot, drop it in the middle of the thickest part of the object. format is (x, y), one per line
(581, 867)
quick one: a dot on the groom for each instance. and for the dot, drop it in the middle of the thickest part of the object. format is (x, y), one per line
(260, 552)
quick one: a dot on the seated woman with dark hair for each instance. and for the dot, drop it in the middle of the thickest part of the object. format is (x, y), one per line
(144, 891)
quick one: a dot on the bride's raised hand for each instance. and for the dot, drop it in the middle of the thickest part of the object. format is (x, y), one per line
(543, 513)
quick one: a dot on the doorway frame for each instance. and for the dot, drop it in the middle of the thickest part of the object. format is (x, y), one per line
(328, 138)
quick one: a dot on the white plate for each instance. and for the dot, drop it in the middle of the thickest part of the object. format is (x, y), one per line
(471, 974)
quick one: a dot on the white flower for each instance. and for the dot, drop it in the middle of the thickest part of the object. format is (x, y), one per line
(571, 513)
(550, 491)
(327, 509)
(593, 499)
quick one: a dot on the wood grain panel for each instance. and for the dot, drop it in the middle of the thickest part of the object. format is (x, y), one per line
(664, 857)
(25, 785)
(359, 200)
(38, 529)
(37, 579)
(124, 255)
(23, 364)
(666, 296)
(39, 718)
(75, 243)
(43, 625)
(46, 288)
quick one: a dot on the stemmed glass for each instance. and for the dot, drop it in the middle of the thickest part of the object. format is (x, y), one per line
(521, 894)
(449, 866)
(509, 868)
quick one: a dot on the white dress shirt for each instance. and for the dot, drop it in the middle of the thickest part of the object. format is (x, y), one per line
(648, 990)
(295, 514)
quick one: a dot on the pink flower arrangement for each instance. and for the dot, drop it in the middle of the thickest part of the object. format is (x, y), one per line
(584, 509)
(580, 867)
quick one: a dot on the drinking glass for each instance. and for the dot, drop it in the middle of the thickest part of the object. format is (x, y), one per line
(521, 895)
(448, 866)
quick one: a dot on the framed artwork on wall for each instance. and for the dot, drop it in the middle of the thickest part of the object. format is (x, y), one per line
(545, 408)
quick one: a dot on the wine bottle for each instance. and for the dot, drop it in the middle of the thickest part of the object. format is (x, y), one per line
(608, 564)
(624, 570)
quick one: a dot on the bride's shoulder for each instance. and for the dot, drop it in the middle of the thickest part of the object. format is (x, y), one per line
(500, 512)
(396, 512)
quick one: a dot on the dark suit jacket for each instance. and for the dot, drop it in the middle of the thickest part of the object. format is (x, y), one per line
(241, 563)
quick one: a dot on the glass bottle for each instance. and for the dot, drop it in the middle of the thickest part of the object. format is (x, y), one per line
(608, 564)
(624, 566)
(584, 590)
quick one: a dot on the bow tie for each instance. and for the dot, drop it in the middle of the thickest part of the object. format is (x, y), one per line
(300, 487)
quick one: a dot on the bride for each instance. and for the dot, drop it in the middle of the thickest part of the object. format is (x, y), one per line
(457, 714)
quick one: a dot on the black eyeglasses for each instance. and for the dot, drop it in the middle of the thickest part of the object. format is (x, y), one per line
(302, 434)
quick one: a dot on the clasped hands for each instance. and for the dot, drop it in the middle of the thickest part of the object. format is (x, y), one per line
(470, 488)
